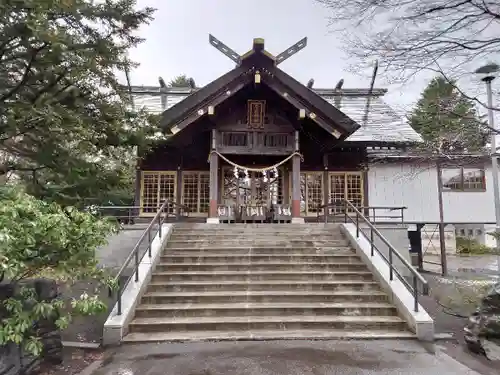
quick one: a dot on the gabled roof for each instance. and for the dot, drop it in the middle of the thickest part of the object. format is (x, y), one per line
(378, 121)
(257, 66)
(355, 115)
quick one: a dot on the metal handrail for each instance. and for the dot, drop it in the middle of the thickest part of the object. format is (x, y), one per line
(131, 209)
(416, 277)
(339, 203)
(158, 219)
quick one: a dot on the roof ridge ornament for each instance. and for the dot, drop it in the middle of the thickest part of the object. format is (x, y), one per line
(292, 50)
(258, 46)
(224, 49)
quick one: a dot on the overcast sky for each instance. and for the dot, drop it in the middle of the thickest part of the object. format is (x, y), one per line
(177, 43)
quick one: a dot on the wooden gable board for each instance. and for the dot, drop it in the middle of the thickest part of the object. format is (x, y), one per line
(199, 98)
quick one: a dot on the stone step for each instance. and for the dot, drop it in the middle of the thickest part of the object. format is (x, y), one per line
(292, 236)
(265, 309)
(254, 234)
(261, 226)
(263, 296)
(275, 285)
(205, 258)
(276, 242)
(372, 333)
(260, 250)
(243, 323)
(246, 281)
(337, 275)
(260, 266)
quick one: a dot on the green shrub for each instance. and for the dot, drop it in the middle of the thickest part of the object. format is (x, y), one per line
(469, 246)
(40, 239)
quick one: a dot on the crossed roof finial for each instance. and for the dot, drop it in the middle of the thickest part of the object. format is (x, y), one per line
(258, 42)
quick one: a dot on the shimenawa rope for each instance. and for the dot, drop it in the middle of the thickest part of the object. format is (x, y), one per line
(265, 169)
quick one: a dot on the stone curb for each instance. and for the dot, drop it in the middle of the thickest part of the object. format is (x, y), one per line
(81, 345)
(90, 369)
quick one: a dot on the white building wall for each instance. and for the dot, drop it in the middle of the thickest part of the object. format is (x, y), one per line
(398, 184)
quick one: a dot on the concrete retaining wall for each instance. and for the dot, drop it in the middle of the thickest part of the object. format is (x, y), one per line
(419, 321)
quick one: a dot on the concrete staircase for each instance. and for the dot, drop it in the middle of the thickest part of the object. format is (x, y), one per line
(264, 281)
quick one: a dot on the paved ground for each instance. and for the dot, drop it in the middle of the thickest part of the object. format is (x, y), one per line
(282, 358)
(119, 248)
(459, 265)
(111, 256)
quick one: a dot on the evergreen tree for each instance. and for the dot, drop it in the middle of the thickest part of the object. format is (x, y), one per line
(182, 81)
(442, 114)
(65, 127)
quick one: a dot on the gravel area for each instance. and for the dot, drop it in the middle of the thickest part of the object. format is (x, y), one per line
(461, 294)
(74, 361)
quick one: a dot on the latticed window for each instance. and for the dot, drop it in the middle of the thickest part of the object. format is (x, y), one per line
(156, 187)
(278, 140)
(354, 189)
(346, 186)
(337, 190)
(240, 139)
(196, 191)
(149, 193)
(311, 192)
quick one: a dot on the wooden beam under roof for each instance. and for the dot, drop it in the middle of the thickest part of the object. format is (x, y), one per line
(204, 107)
(197, 98)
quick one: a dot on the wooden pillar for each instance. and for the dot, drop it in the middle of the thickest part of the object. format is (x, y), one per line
(214, 181)
(286, 186)
(326, 187)
(296, 184)
(178, 192)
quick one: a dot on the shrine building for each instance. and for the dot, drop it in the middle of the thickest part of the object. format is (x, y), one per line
(256, 142)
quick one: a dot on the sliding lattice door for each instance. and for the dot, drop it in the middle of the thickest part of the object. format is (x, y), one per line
(196, 192)
(311, 192)
(346, 185)
(156, 186)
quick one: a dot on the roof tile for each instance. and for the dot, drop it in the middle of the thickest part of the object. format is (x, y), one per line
(378, 121)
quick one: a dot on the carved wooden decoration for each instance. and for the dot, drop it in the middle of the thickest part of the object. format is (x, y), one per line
(256, 113)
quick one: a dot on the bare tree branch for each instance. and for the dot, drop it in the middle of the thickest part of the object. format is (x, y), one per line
(453, 37)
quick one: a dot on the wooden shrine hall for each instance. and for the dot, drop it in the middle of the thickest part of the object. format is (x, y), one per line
(253, 145)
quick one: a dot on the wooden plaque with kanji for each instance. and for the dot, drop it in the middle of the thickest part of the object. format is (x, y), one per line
(256, 112)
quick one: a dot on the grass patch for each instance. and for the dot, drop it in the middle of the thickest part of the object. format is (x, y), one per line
(460, 296)
(469, 246)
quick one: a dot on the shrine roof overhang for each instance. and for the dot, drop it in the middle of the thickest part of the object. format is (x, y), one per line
(257, 62)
